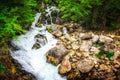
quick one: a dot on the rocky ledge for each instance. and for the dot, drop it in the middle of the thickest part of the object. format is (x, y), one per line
(84, 55)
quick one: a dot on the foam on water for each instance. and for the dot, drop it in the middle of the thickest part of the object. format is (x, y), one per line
(34, 60)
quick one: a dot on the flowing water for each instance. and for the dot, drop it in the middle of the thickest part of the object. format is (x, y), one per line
(34, 60)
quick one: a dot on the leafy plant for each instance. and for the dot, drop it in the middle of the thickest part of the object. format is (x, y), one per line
(14, 15)
(109, 54)
(49, 29)
(102, 52)
(92, 14)
(2, 68)
(98, 44)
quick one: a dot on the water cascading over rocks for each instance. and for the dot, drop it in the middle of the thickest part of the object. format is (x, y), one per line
(33, 59)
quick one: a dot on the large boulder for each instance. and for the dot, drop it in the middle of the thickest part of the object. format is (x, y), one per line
(85, 65)
(41, 39)
(85, 36)
(65, 65)
(36, 46)
(56, 54)
(95, 38)
(85, 45)
(105, 39)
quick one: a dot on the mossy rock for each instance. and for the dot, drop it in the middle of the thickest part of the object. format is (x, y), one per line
(38, 24)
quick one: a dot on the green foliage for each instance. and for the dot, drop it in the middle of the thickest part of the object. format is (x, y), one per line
(38, 25)
(102, 52)
(76, 9)
(92, 14)
(98, 44)
(49, 29)
(109, 54)
(2, 68)
(13, 16)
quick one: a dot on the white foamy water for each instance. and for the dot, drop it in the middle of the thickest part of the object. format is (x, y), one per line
(34, 60)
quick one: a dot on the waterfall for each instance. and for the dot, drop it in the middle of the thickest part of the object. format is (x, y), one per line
(34, 60)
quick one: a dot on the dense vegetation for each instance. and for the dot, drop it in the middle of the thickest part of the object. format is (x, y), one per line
(14, 15)
(97, 14)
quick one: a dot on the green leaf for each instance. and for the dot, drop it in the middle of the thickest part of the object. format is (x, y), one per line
(109, 54)
(2, 68)
(100, 54)
(98, 44)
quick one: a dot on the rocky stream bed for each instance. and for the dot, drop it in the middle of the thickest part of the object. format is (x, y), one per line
(80, 54)
(84, 55)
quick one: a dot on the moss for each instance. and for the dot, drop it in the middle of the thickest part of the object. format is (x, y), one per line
(49, 29)
(38, 25)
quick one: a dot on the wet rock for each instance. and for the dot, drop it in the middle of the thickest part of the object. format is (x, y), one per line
(85, 36)
(36, 46)
(105, 39)
(41, 39)
(85, 65)
(56, 54)
(58, 20)
(65, 65)
(95, 38)
(85, 45)
(38, 24)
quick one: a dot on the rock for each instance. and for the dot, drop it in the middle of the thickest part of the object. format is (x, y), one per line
(109, 47)
(104, 67)
(73, 75)
(94, 50)
(85, 36)
(36, 46)
(85, 53)
(105, 39)
(69, 47)
(85, 65)
(41, 39)
(56, 54)
(70, 38)
(64, 30)
(85, 45)
(65, 65)
(58, 20)
(75, 45)
(57, 33)
(95, 38)
(38, 24)
(78, 54)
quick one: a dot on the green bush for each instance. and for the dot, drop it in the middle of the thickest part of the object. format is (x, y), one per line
(14, 15)
(93, 14)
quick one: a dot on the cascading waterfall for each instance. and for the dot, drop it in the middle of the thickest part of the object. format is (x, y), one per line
(34, 60)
